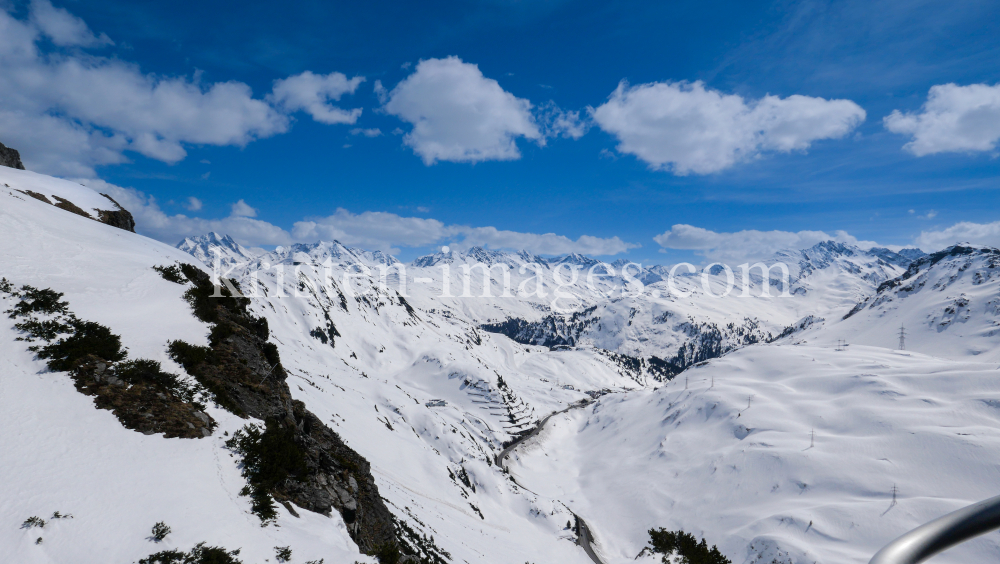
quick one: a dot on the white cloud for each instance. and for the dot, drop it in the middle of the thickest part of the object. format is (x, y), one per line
(388, 231)
(686, 128)
(370, 230)
(557, 122)
(460, 115)
(313, 93)
(380, 92)
(962, 232)
(62, 27)
(954, 119)
(747, 245)
(373, 132)
(544, 244)
(68, 111)
(152, 221)
(243, 209)
(193, 204)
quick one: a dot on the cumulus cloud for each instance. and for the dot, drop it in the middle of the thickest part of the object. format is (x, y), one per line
(557, 122)
(962, 232)
(689, 129)
(372, 132)
(312, 93)
(458, 114)
(543, 244)
(152, 221)
(193, 204)
(388, 231)
(370, 230)
(954, 119)
(747, 245)
(243, 209)
(68, 111)
(63, 28)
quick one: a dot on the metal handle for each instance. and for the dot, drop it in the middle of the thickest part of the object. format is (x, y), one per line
(941, 534)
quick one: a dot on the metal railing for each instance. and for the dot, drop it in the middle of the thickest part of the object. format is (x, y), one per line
(941, 534)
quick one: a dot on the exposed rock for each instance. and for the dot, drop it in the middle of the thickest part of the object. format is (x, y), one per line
(63, 203)
(37, 196)
(119, 217)
(246, 376)
(10, 157)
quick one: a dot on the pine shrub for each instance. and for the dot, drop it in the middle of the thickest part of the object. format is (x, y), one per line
(685, 545)
(160, 531)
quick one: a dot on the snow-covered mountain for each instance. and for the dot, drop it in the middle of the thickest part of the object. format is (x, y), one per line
(824, 280)
(211, 247)
(400, 422)
(947, 304)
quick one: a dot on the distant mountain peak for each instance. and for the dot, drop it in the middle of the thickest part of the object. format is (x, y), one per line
(480, 255)
(334, 251)
(203, 248)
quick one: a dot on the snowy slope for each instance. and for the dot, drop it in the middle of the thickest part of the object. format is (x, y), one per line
(426, 396)
(948, 304)
(755, 480)
(62, 454)
(56, 191)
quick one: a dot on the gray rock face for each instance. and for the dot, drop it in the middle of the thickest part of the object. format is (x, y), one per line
(10, 157)
(118, 217)
(242, 375)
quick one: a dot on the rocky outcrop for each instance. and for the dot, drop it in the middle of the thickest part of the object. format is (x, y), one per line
(244, 373)
(118, 217)
(10, 157)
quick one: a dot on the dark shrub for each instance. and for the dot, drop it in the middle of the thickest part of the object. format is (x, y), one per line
(46, 330)
(160, 531)
(191, 357)
(87, 338)
(188, 355)
(200, 554)
(171, 273)
(271, 353)
(269, 457)
(34, 300)
(687, 546)
(146, 371)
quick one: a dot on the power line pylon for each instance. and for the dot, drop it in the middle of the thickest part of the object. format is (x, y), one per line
(902, 337)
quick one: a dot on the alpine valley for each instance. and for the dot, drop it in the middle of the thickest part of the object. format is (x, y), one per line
(327, 403)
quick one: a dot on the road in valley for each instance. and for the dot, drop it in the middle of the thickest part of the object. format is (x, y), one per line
(583, 536)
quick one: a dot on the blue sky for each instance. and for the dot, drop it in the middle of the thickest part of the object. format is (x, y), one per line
(772, 138)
